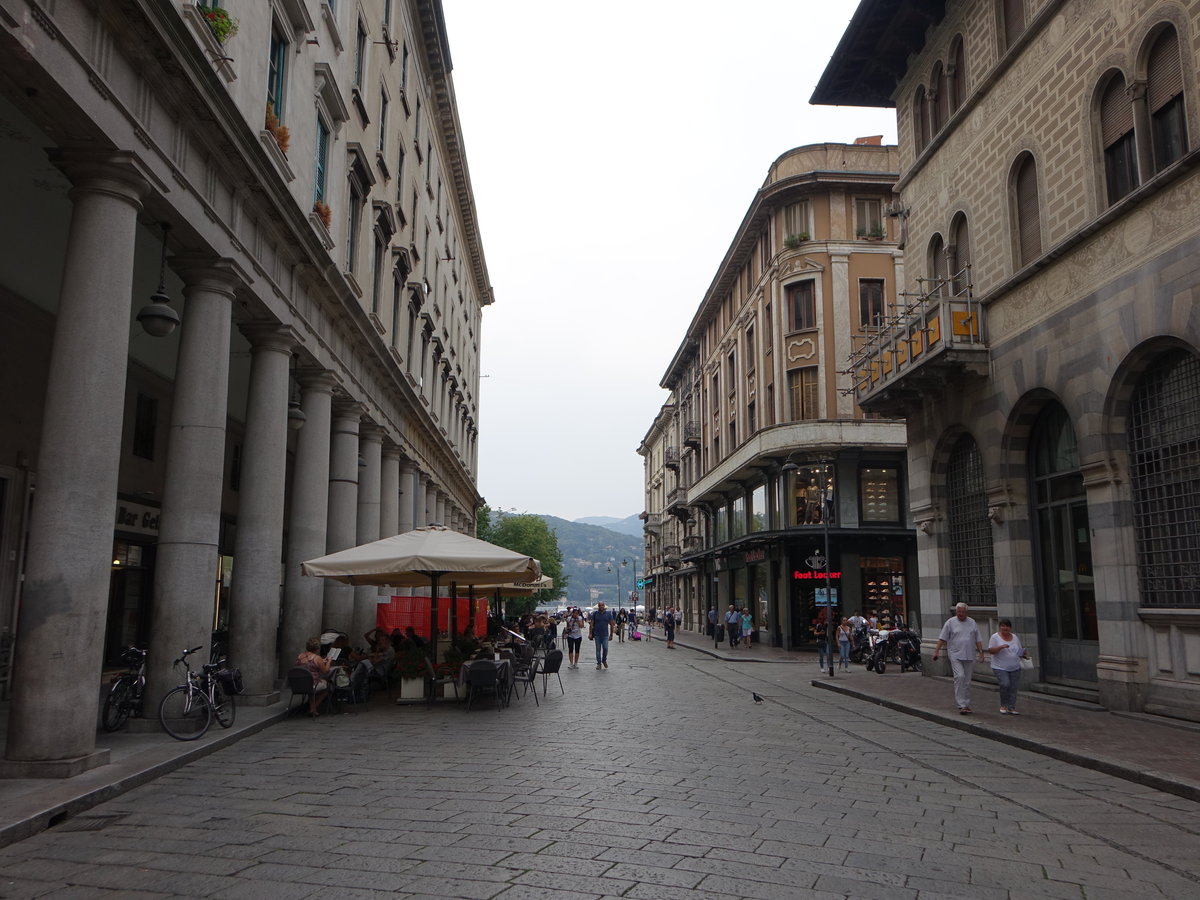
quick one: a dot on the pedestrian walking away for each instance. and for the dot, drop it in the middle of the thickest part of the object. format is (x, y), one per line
(1007, 652)
(603, 624)
(669, 623)
(820, 633)
(712, 621)
(964, 647)
(733, 625)
(573, 628)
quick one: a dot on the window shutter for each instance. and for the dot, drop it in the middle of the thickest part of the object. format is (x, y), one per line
(1163, 72)
(942, 104)
(920, 120)
(1116, 112)
(1029, 223)
(958, 81)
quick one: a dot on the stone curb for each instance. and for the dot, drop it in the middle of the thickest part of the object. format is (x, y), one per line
(1161, 781)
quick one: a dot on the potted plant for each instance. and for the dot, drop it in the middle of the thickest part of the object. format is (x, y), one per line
(222, 24)
(412, 668)
(860, 233)
(282, 136)
(324, 213)
(876, 233)
(792, 241)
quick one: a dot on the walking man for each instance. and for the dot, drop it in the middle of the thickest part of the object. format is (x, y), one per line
(960, 636)
(733, 625)
(603, 623)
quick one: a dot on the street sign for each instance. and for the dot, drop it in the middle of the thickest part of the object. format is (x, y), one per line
(643, 582)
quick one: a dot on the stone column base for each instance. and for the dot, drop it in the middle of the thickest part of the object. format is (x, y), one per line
(53, 768)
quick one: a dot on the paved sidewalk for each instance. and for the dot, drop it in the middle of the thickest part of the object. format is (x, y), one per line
(1150, 750)
(30, 805)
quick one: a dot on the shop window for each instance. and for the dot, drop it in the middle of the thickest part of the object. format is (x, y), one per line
(810, 494)
(879, 494)
(758, 508)
(883, 588)
(737, 520)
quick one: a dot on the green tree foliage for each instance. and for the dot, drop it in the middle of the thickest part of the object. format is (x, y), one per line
(530, 535)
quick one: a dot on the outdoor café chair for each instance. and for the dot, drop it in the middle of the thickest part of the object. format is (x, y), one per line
(550, 666)
(483, 676)
(300, 680)
(435, 679)
(528, 678)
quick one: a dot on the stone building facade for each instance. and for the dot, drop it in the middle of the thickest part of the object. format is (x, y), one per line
(296, 190)
(1048, 366)
(765, 482)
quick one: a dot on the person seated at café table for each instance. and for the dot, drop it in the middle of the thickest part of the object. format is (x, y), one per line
(318, 667)
(413, 638)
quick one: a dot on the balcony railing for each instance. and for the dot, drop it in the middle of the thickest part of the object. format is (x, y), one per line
(691, 434)
(935, 337)
(671, 457)
(672, 556)
(692, 542)
(677, 502)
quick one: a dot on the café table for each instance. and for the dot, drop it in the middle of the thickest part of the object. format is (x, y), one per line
(505, 676)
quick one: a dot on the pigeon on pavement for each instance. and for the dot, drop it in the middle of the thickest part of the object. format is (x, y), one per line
(757, 699)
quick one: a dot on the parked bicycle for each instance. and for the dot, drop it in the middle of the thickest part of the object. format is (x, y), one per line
(127, 692)
(187, 711)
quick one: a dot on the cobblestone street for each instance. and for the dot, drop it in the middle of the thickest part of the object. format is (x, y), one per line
(659, 778)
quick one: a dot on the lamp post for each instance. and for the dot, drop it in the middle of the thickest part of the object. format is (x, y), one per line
(817, 561)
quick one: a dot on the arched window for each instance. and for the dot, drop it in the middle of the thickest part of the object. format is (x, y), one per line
(960, 238)
(956, 76)
(1164, 100)
(1027, 215)
(940, 107)
(1117, 138)
(1164, 471)
(938, 270)
(1013, 14)
(969, 532)
(920, 119)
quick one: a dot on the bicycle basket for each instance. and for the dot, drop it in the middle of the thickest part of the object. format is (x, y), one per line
(231, 680)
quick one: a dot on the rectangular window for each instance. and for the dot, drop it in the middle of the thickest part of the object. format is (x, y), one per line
(722, 524)
(353, 222)
(1169, 133)
(758, 508)
(768, 329)
(360, 54)
(737, 519)
(383, 121)
(803, 394)
(377, 271)
(751, 349)
(732, 436)
(277, 73)
(868, 218)
(320, 176)
(879, 494)
(751, 418)
(796, 218)
(870, 302)
(145, 424)
(1120, 167)
(802, 306)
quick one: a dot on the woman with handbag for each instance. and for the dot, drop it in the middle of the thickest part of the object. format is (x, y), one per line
(574, 632)
(1007, 654)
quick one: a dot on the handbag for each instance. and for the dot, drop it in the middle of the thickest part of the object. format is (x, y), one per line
(1026, 662)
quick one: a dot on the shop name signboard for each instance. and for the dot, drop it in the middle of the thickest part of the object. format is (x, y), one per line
(811, 576)
(137, 518)
(755, 555)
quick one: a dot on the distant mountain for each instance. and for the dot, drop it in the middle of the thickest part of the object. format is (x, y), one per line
(589, 551)
(630, 525)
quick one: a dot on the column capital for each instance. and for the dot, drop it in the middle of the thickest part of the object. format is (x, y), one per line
(391, 451)
(120, 173)
(348, 409)
(270, 336)
(313, 378)
(369, 432)
(206, 272)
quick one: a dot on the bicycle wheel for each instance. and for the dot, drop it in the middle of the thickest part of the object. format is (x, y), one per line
(116, 706)
(185, 715)
(224, 709)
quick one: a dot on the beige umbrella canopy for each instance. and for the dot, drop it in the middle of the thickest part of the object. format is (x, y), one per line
(416, 556)
(422, 556)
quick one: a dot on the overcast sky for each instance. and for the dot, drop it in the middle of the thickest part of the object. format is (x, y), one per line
(614, 148)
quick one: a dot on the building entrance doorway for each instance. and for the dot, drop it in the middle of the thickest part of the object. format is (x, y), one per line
(1066, 590)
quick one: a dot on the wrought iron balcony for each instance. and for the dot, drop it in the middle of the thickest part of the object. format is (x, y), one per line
(935, 338)
(671, 458)
(691, 434)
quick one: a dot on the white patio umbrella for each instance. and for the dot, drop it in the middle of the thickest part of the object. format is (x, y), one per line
(422, 556)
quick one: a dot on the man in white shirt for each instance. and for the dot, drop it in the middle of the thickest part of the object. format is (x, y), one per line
(964, 646)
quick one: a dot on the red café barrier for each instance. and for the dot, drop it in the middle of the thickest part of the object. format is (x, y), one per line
(401, 612)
